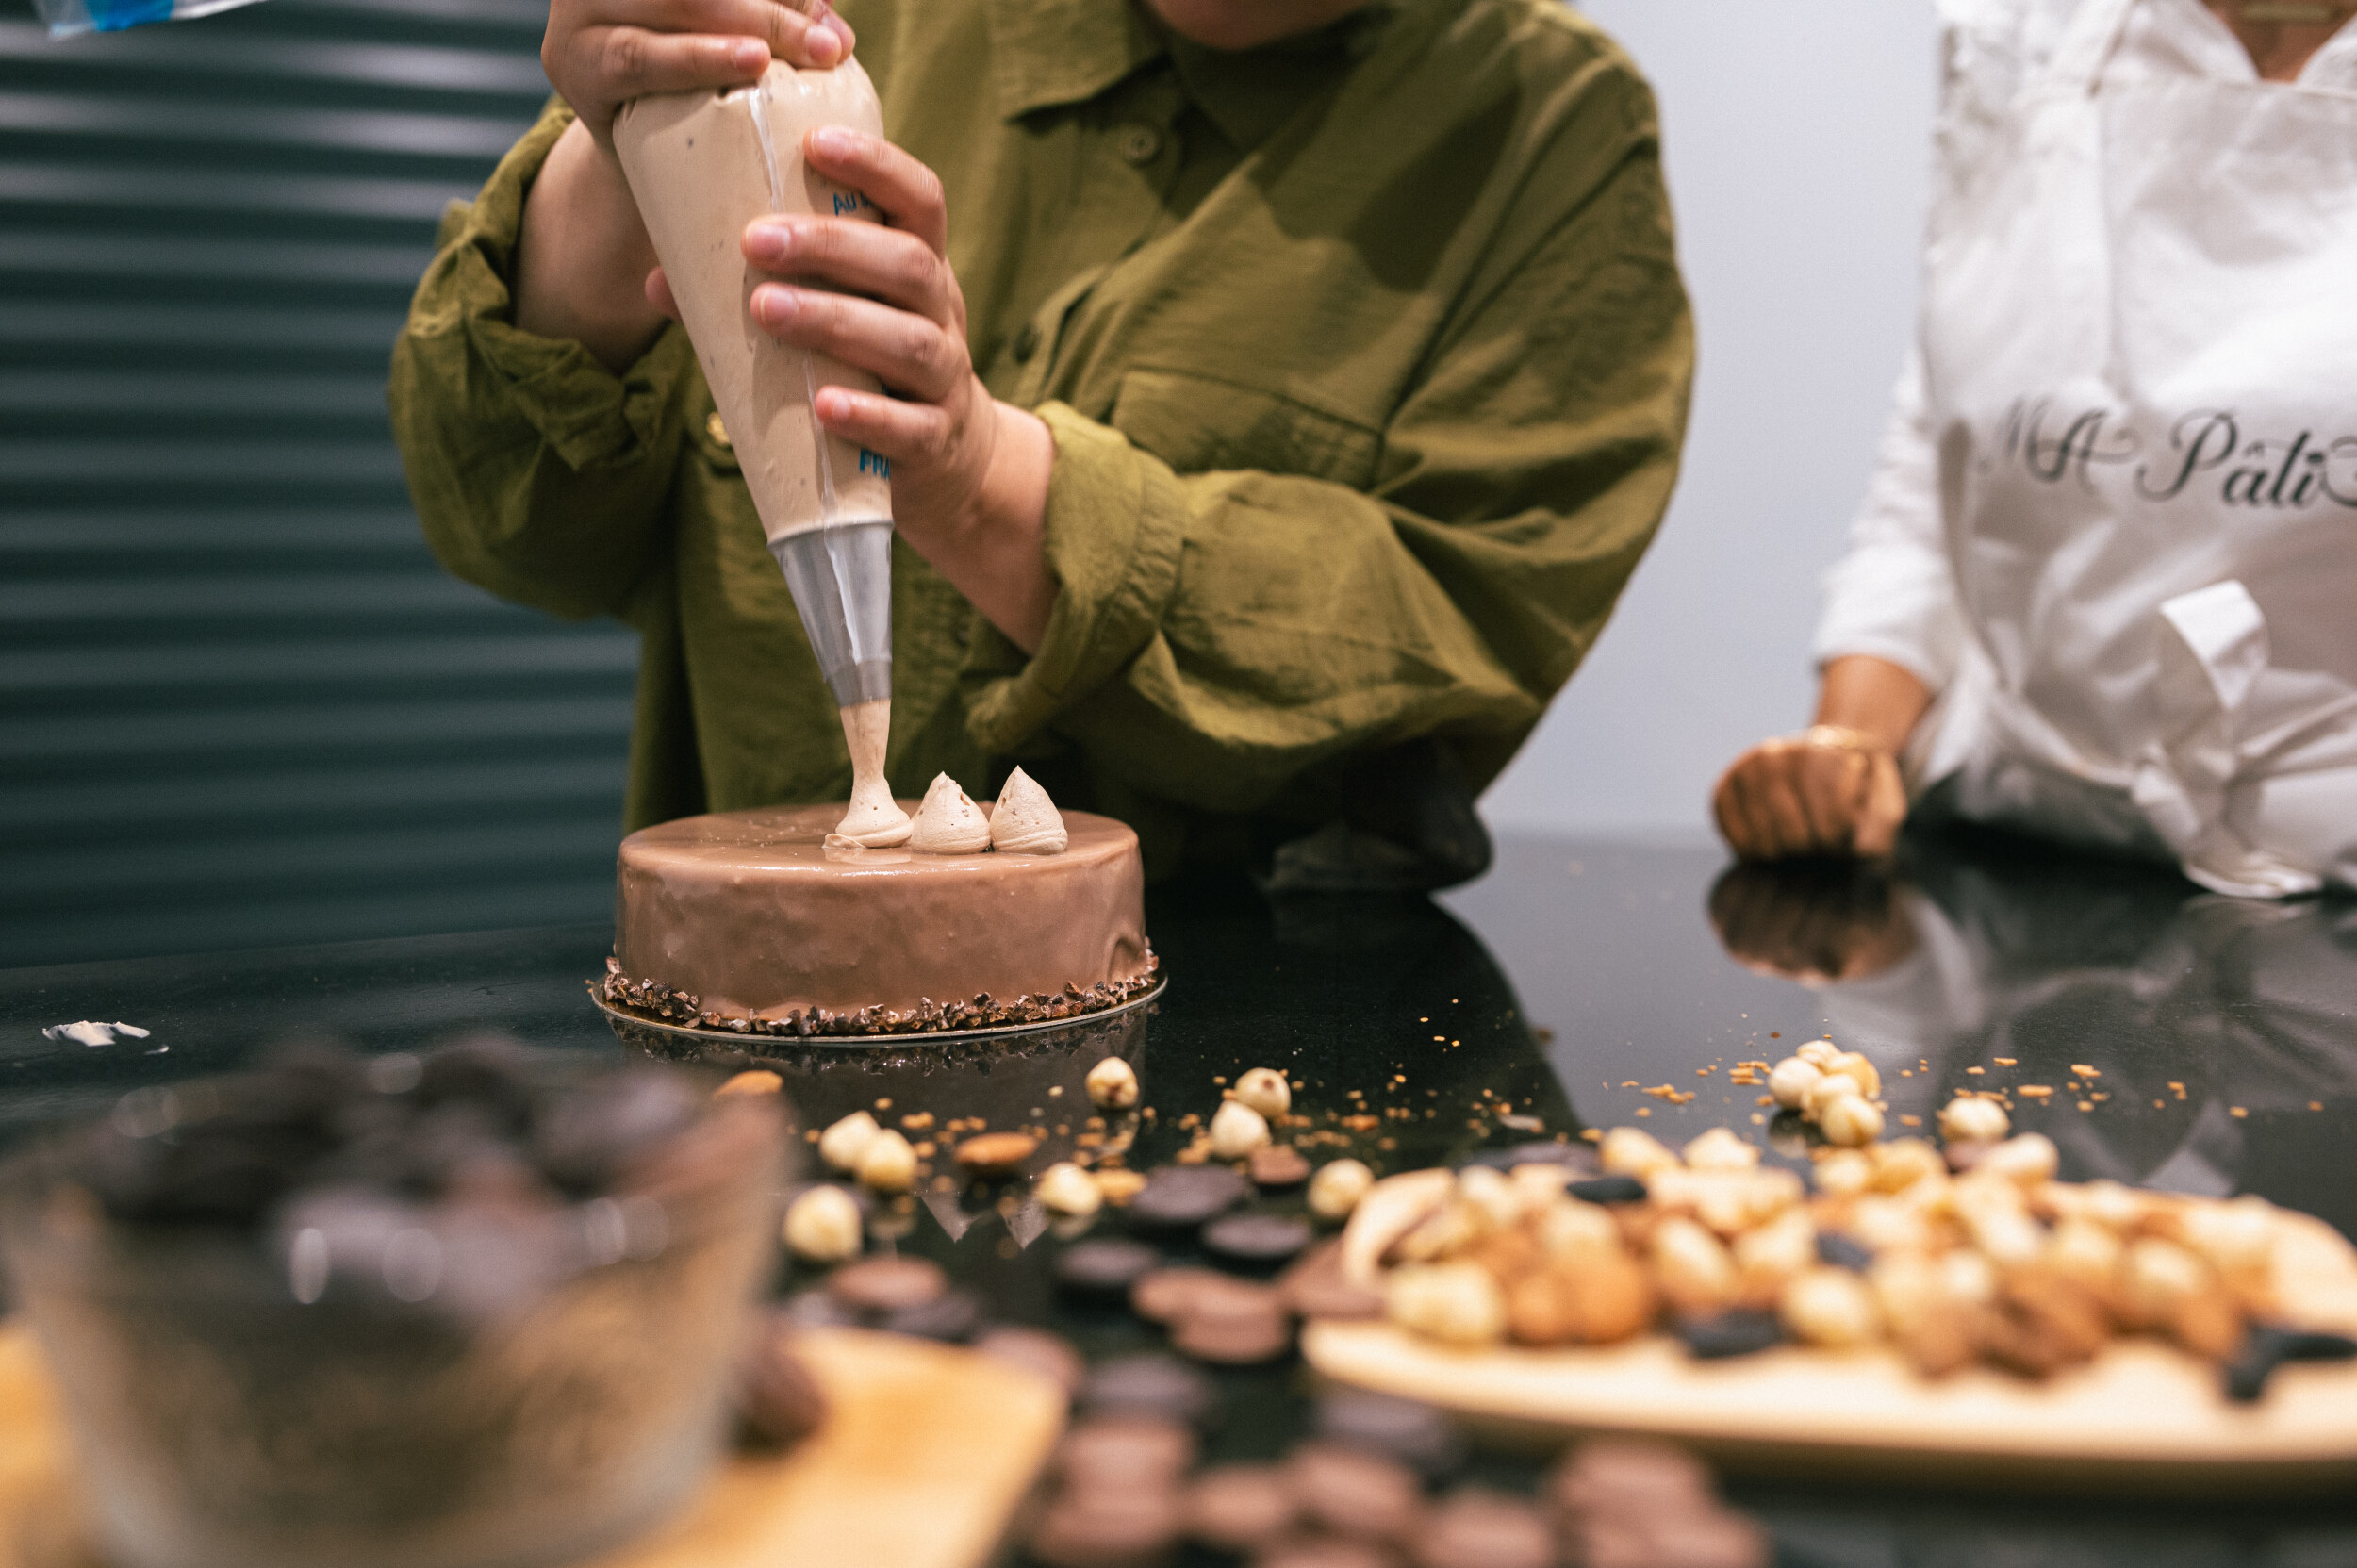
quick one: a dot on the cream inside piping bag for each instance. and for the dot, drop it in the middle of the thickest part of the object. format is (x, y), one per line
(701, 166)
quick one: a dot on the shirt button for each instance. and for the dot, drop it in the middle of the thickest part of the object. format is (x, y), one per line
(1026, 343)
(1138, 144)
(714, 428)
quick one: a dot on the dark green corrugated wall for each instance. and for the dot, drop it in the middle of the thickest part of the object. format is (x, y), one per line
(240, 703)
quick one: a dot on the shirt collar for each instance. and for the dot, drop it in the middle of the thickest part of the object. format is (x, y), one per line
(1050, 52)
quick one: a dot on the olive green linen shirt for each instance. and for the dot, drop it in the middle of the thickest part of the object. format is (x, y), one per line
(1366, 360)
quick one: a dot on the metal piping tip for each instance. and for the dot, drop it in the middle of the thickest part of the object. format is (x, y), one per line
(841, 577)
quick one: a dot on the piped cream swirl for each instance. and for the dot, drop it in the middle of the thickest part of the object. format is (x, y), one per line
(1026, 822)
(948, 822)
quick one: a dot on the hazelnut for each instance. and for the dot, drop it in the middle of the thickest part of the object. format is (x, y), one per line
(841, 1144)
(1900, 1164)
(1849, 1121)
(1720, 1149)
(1495, 1201)
(1458, 1302)
(1572, 1231)
(1632, 1152)
(2155, 1276)
(1778, 1250)
(2028, 1159)
(1789, 1079)
(1824, 1092)
(2235, 1238)
(1831, 1308)
(1969, 1119)
(1537, 1186)
(1844, 1173)
(1112, 1085)
(1601, 1300)
(1692, 1267)
(1859, 1069)
(888, 1163)
(1337, 1188)
(1820, 1054)
(1237, 1130)
(2083, 1250)
(1266, 1090)
(822, 1226)
(1064, 1188)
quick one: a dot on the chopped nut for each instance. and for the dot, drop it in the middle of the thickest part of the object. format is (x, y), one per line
(1237, 1130)
(1337, 1188)
(1112, 1085)
(1064, 1188)
(822, 1226)
(888, 1163)
(841, 1144)
(996, 1154)
(1971, 1119)
(1264, 1090)
(1119, 1186)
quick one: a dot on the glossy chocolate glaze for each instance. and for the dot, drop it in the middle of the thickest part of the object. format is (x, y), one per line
(750, 913)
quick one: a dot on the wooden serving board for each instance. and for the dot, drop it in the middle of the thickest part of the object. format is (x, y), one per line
(2143, 1417)
(925, 1453)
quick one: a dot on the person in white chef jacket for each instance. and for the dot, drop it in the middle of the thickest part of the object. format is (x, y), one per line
(2104, 584)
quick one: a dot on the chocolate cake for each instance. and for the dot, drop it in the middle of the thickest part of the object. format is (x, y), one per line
(752, 922)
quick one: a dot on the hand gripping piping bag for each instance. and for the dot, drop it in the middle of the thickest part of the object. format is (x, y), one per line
(700, 167)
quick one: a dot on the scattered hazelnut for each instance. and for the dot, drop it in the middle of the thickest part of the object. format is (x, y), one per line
(1776, 1251)
(1337, 1188)
(841, 1144)
(1859, 1069)
(1849, 1121)
(1971, 1119)
(1266, 1090)
(1900, 1164)
(1820, 1054)
(1112, 1085)
(1633, 1151)
(1571, 1231)
(1824, 1092)
(1789, 1079)
(994, 1154)
(1458, 1302)
(757, 1082)
(1829, 1307)
(2028, 1159)
(1064, 1188)
(888, 1163)
(1720, 1149)
(1844, 1173)
(1237, 1130)
(822, 1226)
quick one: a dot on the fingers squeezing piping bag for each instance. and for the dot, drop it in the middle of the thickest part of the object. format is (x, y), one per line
(701, 166)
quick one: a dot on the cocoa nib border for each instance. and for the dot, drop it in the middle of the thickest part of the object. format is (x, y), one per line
(656, 1002)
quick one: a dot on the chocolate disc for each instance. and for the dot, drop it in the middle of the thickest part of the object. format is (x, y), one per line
(1105, 1528)
(1233, 1330)
(778, 1401)
(1577, 1157)
(1104, 1269)
(1481, 1528)
(951, 1317)
(1608, 1189)
(1315, 1287)
(1836, 1250)
(885, 1284)
(1352, 1492)
(1149, 1384)
(1629, 1476)
(1125, 1451)
(818, 1308)
(1327, 1551)
(1238, 1507)
(1167, 1294)
(1277, 1166)
(1256, 1241)
(1413, 1433)
(1179, 1198)
(1733, 1333)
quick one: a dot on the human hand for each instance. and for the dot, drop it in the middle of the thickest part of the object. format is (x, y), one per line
(969, 474)
(1825, 791)
(601, 54)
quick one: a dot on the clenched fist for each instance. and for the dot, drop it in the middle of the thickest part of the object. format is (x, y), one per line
(601, 54)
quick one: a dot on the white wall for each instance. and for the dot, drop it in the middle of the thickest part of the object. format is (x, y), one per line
(1798, 141)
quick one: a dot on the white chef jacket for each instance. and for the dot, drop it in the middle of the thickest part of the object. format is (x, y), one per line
(1894, 594)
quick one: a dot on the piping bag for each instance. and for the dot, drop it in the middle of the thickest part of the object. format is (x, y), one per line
(700, 167)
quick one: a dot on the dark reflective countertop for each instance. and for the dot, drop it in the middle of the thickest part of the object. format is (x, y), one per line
(2222, 1035)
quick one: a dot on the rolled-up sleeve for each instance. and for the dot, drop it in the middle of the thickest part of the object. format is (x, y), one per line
(537, 473)
(1217, 635)
(1893, 594)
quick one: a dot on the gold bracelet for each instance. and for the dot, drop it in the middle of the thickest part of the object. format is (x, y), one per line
(1840, 738)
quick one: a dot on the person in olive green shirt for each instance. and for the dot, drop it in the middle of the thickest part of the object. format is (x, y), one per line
(1279, 394)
